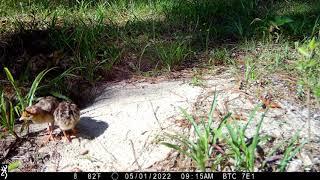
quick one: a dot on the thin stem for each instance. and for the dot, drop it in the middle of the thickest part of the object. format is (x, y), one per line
(309, 115)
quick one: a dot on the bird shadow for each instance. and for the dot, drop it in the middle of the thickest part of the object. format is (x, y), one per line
(90, 128)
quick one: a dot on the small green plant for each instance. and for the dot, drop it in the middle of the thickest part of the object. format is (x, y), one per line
(137, 67)
(289, 148)
(7, 116)
(274, 26)
(24, 101)
(172, 54)
(28, 99)
(219, 56)
(250, 70)
(237, 149)
(201, 149)
(238, 25)
(196, 81)
(242, 150)
(83, 40)
(293, 147)
(112, 56)
(14, 165)
(56, 86)
(309, 68)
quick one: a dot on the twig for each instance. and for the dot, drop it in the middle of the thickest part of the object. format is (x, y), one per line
(273, 158)
(218, 148)
(155, 115)
(135, 156)
(114, 158)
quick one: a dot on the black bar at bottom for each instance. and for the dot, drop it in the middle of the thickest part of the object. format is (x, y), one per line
(159, 175)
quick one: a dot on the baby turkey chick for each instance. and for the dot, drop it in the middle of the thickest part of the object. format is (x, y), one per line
(42, 112)
(66, 116)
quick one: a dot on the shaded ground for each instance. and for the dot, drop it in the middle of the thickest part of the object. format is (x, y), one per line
(121, 131)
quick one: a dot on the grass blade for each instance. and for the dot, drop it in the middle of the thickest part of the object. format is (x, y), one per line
(12, 81)
(35, 85)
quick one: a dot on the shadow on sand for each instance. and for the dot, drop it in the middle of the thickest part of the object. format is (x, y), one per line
(90, 128)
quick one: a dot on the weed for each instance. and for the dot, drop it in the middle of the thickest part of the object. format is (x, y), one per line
(239, 151)
(196, 81)
(309, 67)
(242, 151)
(14, 165)
(7, 116)
(202, 149)
(138, 67)
(291, 149)
(56, 85)
(275, 25)
(83, 41)
(250, 70)
(219, 56)
(28, 99)
(172, 54)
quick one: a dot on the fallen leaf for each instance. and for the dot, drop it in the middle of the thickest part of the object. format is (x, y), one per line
(239, 117)
(274, 105)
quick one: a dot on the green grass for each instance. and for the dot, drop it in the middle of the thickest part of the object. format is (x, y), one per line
(196, 81)
(243, 152)
(237, 149)
(201, 149)
(95, 33)
(172, 54)
(309, 68)
(7, 115)
(28, 99)
(309, 65)
(14, 165)
(257, 39)
(23, 101)
(219, 56)
(250, 70)
(159, 35)
(84, 45)
(293, 147)
(9, 112)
